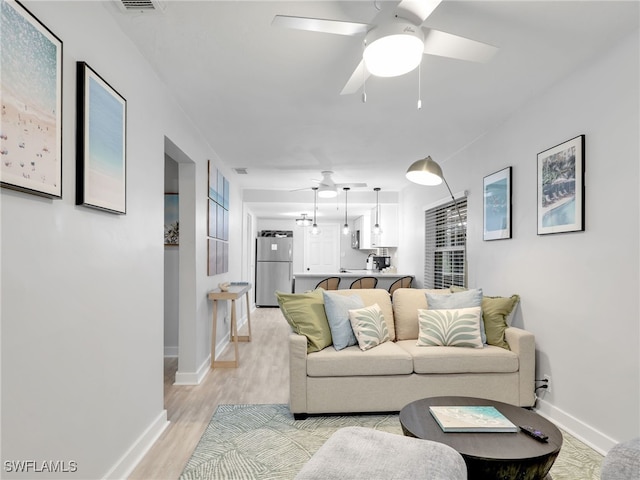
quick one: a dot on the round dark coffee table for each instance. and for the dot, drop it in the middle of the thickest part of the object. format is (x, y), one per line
(489, 455)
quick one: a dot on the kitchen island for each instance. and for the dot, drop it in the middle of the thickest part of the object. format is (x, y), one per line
(304, 282)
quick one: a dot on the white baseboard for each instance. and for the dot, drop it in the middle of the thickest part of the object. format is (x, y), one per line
(170, 352)
(194, 378)
(125, 465)
(595, 439)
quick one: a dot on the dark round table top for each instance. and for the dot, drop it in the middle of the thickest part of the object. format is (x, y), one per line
(417, 421)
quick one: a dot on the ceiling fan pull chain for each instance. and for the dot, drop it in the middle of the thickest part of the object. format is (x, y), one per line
(419, 86)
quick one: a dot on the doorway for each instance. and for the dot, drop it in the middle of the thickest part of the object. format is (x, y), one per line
(322, 251)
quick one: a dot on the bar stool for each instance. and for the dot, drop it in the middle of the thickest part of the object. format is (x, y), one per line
(329, 283)
(364, 282)
(404, 282)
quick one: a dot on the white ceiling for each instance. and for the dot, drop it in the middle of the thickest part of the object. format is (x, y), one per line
(268, 99)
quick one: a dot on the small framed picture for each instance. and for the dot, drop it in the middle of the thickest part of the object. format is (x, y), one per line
(31, 133)
(561, 188)
(497, 205)
(101, 153)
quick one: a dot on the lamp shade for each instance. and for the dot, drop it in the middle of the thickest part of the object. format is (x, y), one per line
(393, 49)
(327, 191)
(425, 172)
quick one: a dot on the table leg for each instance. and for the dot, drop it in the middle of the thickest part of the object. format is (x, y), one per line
(213, 333)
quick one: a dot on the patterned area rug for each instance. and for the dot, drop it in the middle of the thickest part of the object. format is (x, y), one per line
(264, 442)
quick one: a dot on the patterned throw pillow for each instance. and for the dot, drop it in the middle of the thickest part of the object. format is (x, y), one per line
(369, 326)
(458, 299)
(455, 328)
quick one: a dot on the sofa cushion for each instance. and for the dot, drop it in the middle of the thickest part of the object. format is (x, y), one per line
(406, 302)
(386, 359)
(305, 313)
(337, 309)
(369, 326)
(490, 359)
(453, 327)
(465, 299)
(371, 296)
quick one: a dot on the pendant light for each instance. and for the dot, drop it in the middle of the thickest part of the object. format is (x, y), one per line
(377, 230)
(345, 228)
(304, 221)
(314, 228)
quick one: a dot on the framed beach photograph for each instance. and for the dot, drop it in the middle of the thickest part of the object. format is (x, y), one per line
(31, 132)
(101, 153)
(561, 188)
(171, 219)
(497, 205)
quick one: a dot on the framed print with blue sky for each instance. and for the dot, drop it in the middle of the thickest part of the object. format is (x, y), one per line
(497, 205)
(561, 188)
(101, 153)
(31, 85)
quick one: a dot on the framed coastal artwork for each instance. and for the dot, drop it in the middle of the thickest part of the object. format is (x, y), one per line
(218, 222)
(497, 205)
(171, 219)
(101, 141)
(31, 127)
(561, 187)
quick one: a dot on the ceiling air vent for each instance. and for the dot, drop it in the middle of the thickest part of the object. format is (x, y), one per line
(134, 6)
(241, 171)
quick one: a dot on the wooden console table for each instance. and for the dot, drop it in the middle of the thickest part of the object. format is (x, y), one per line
(235, 292)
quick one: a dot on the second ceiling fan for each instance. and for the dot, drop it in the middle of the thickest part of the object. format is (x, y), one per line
(395, 41)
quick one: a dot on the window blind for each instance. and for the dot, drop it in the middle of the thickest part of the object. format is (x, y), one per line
(445, 245)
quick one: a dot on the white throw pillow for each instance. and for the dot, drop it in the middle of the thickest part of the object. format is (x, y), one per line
(456, 327)
(369, 326)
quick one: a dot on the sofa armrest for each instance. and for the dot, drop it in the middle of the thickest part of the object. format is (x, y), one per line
(297, 373)
(523, 343)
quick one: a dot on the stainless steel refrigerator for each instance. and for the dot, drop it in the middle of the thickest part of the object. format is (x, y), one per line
(274, 266)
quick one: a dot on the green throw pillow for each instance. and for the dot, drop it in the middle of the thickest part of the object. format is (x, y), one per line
(369, 326)
(305, 313)
(495, 311)
(451, 327)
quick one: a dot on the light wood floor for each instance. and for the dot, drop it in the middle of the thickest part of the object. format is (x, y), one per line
(261, 378)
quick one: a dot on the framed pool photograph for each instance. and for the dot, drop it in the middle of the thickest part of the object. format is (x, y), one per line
(31, 134)
(496, 189)
(101, 141)
(561, 187)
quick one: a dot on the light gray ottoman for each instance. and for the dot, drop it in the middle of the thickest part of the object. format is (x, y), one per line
(622, 462)
(364, 453)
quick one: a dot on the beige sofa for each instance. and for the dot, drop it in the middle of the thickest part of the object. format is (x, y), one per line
(393, 374)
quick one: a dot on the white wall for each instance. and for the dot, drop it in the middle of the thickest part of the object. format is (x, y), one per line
(579, 291)
(82, 290)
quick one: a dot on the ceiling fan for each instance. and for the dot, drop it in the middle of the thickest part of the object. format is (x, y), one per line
(395, 41)
(327, 188)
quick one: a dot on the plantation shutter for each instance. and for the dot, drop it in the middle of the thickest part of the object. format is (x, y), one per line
(445, 245)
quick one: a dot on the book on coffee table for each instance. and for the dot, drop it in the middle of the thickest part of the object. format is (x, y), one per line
(471, 419)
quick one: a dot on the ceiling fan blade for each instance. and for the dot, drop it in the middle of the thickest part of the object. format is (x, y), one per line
(445, 44)
(337, 27)
(359, 75)
(417, 11)
(351, 185)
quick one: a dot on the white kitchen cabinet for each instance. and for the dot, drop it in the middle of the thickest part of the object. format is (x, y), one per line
(388, 220)
(363, 225)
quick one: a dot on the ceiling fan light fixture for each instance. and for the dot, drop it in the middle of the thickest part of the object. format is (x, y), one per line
(326, 191)
(393, 49)
(425, 172)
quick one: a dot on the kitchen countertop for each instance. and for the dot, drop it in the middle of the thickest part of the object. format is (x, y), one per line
(304, 282)
(350, 273)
